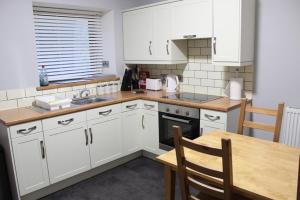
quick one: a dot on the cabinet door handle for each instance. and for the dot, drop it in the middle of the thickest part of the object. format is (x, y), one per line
(66, 122)
(215, 45)
(150, 48)
(167, 47)
(42, 149)
(91, 135)
(26, 131)
(147, 106)
(189, 36)
(212, 118)
(86, 137)
(143, 118)
(131, 106)
(105, 113)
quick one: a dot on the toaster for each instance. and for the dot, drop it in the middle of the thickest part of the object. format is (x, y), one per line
(153, 84)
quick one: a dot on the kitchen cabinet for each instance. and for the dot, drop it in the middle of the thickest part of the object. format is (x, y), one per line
(150, 131)
(68, 151)
(233, 32)
(215, 120)
(30, 162)
(192, 19)
(147, 37)
(105, 139)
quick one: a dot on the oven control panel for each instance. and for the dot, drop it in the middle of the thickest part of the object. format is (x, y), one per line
(179, 110)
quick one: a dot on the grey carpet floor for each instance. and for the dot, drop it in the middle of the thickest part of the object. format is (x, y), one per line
(140, 179)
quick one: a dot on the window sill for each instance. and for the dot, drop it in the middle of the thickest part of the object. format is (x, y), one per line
(98, 80)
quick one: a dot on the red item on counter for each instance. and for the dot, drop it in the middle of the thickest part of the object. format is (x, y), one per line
(143, 75)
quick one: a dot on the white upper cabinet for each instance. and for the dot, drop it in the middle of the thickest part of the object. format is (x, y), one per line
(147, 37)
(233, 32)
(192, 19)
(137, 34)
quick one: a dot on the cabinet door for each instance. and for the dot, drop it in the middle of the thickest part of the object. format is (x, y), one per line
(137, 33)
(131, 123)
(162, 29)
(192, 19)
(31, 164)
(105, 140)
(226, 31)
(67, 151)
(207, 126)
(150, 131)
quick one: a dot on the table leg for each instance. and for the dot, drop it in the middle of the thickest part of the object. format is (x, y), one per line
(170, 178)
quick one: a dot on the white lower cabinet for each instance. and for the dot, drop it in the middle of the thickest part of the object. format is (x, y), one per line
(207, 126)
(30, 162)
(105, 139)
(131, 123)
(68, 151)
(150, 131)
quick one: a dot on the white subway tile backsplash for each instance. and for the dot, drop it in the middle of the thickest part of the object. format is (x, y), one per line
(3, 95)
(201, 59)
(47, 92)
(191, 43)
(201, 74)
(207, 67)
(220, 83)
(32, 92)
(188, 88)
(194, 81)
(214, 91)
(221, 68)
(189, 74)
(194, 66)
(64, 89)
(207, 82)
(214, 75)
(194, 51)
(201, 43)
(205, 51)
(5, 105)
(200, 89)
(25, 102)
(15, 94)
(79, 87)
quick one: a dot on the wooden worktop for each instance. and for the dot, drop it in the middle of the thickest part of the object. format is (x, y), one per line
(22, 115)
(261, 169)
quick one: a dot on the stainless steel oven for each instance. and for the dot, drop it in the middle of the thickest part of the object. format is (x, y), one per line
(187, 118)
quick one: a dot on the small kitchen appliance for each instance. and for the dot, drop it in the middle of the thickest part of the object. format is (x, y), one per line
(234, 88)
(172, 83)
(153, 84)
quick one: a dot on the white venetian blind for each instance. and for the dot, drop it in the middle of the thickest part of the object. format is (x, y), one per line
(69, 43)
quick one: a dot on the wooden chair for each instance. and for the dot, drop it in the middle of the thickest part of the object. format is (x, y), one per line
(275, 129)
(298, 187)
(209, 189)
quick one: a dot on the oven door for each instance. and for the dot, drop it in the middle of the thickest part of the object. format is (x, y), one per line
(190, 129)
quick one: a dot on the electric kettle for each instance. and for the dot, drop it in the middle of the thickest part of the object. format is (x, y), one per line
(172, 83)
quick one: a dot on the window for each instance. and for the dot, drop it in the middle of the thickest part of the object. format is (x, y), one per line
(69, 43)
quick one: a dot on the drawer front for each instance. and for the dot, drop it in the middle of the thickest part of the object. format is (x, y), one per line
(149, 105)
(64, 120)
(214, 116)
(26, 129)
(130, 105)
(207, 127)
(103, 111)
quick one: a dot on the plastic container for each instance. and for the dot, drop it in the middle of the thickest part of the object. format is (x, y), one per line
(52, 102)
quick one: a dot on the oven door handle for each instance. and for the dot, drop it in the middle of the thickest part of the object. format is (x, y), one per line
(176, 119)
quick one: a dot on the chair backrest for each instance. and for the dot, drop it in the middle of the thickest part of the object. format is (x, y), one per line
(248, 108)
(211, 182)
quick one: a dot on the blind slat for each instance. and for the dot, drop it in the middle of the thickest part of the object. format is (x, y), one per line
(69, 43)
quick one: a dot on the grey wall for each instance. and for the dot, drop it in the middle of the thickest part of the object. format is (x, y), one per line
(18, 64)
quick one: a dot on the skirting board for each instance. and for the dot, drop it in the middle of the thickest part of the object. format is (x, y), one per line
(78, 178)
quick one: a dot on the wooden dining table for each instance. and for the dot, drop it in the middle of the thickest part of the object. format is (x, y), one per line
(261, 169)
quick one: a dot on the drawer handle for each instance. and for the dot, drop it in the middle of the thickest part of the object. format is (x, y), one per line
(212, 118)
(131, 106)
(189, 36)
(66, 122)
(26, 131)
(143, 118)
(105, 113)
(147, 106)
(42, 149)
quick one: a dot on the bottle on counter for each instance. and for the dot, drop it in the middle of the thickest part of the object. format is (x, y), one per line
(43, 77)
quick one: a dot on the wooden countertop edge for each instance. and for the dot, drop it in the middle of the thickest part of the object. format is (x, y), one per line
(50, 114)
